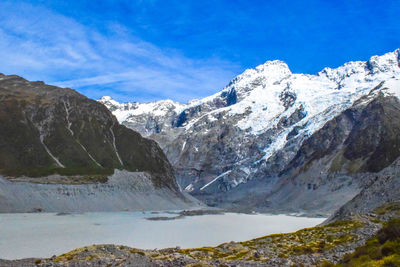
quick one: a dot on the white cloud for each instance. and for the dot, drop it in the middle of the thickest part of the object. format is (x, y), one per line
(41, 45)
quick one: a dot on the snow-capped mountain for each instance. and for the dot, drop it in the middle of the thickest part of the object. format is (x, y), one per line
(146, 118)
(255, 127)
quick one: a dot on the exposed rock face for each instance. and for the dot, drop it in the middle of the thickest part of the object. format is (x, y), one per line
(329, 170)
(382, 188)
(47, 130)
(233, 147)
(365, 137)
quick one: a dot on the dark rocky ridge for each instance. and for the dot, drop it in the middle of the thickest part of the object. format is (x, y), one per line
(362, 139)
(46, 130)
(344, 155)
(382, 188)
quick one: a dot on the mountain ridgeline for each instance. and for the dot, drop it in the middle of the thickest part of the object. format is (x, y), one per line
(60, 151)
(273, 140)
(47, 130)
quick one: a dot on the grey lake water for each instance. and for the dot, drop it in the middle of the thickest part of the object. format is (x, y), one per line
(24, 235)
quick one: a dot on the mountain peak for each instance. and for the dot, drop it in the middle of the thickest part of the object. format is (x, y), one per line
(106, 98)
(267, 73)
(388, 63)
(109, 101)
(273, 63)
(385, 62)
(274, 68)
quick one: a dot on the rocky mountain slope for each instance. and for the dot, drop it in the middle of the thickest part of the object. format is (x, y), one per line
(268, 125)
(382, 188)
(46, 130)
(345, 156)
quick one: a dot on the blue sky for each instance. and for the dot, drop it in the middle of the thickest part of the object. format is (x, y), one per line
(145, 50)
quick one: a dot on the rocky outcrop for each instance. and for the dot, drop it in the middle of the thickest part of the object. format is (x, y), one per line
(47, 130)
(380, 189)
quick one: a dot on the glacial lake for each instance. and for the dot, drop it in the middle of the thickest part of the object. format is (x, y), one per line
(24, 235)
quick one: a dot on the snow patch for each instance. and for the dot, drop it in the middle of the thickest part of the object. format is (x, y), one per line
(189, 188)
(51, 154)
(215, 179)
(113, 142)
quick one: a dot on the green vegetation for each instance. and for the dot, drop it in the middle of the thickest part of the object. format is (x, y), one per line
(306, 241)
(381, 250)
(393, 207)
(337, 163)
(94, 252)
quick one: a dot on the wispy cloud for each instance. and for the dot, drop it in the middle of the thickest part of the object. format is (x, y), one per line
(39, 44)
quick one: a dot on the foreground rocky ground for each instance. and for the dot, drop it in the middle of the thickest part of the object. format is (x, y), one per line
(375, 238)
